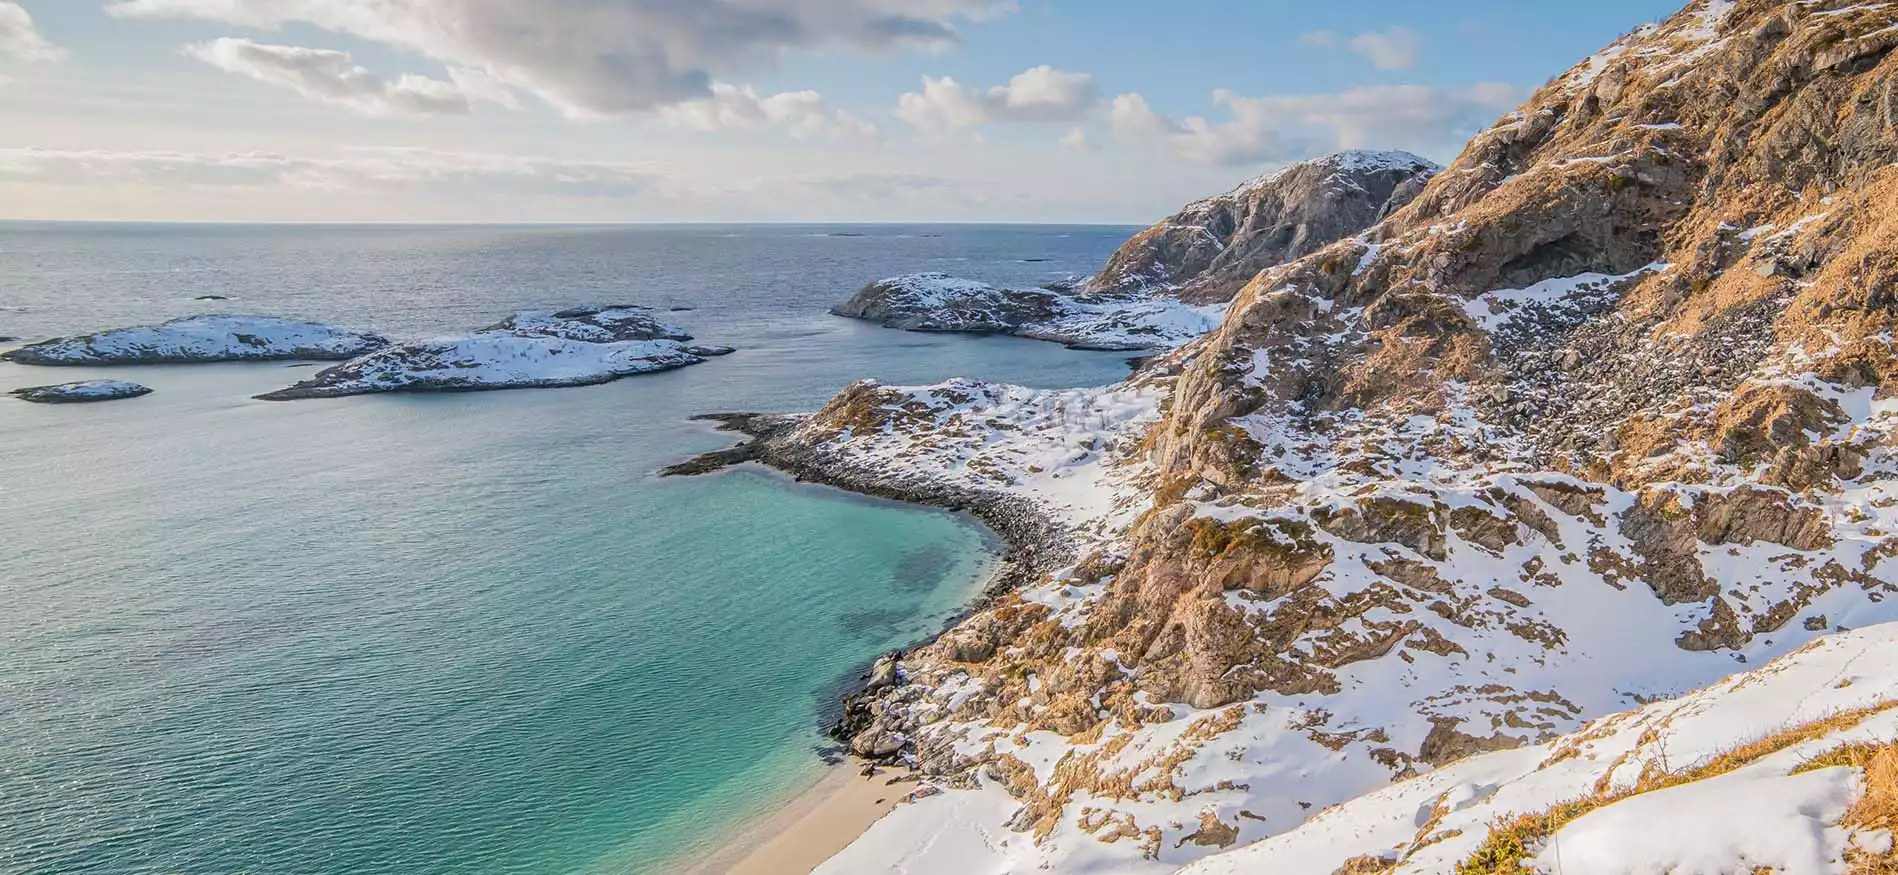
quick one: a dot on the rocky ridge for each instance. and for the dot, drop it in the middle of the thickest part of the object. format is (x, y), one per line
(1603, 414)
(1211, 248)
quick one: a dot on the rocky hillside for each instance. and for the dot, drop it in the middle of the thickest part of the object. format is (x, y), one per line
(1206, 252)
(1606, 413)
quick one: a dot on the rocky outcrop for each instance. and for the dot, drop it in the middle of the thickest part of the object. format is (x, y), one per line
(82, 392)
(939, 302)
(1206, 252)
(202, 339)
(579, 347)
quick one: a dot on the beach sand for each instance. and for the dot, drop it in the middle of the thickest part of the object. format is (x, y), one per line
(812, 827)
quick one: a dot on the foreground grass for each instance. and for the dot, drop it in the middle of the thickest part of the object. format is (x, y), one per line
(1515, 839)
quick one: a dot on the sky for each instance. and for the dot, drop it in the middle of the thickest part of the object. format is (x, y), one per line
(1085, 111)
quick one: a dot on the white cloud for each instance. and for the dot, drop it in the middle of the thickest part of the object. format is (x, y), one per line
(370, 169)
(802, 113)
(1285, 127)
(1395, 48)
(1078, 139)
(21, 38)
(332, 77)
(592, 58)
(1038, 94)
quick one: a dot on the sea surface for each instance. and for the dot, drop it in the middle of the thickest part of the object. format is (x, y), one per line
(466, 633)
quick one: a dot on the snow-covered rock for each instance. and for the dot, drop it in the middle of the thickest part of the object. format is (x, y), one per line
(213, 338)
(529, 350)
(82, 392)
(939, 302)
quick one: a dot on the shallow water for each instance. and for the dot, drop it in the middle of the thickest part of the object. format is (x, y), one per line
(458, 633)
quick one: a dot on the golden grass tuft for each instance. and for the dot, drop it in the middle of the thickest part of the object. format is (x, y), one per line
(1513, 840)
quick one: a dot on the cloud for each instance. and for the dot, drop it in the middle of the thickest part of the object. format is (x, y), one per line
(594, 58)
(1286, 127)
(1038, 94)
(1395, 48)
(802, 113)
(378, 170)
(21, 38)
(332, 77)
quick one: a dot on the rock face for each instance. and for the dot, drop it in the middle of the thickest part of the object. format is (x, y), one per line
(82, 392)
(578, 347)
(939, 302)
(1206, 252)
(202, 339)
(1607, 411)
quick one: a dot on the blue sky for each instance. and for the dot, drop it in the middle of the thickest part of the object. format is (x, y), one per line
(736, 110)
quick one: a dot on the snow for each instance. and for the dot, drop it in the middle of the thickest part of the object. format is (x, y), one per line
(210, 338)
(528, 350)
(1758, 815)
(83, 390)
(1350, 161)
(1755, 818)
(940, 302)
(1494, 310)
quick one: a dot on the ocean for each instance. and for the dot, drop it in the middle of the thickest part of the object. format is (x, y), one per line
(467, 633)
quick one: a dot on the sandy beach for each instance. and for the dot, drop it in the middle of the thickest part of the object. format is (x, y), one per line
(812, 827)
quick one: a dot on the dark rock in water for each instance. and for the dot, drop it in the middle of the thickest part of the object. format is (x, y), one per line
(680, 309)
(1033, 260)
(710, 351)
(82, 392)
(8, 338)
(210, 298)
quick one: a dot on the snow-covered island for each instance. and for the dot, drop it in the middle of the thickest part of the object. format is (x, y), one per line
(211, 338)
(1170, 283)
(82, 392)
(940, 302)
(578, 347)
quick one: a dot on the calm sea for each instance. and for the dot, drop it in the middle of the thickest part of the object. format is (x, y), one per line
(459, 633)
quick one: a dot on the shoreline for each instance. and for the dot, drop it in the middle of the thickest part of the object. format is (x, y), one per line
(821, 822)
(812, 826)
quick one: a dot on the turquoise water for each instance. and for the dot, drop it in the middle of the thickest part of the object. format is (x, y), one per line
(459, 633)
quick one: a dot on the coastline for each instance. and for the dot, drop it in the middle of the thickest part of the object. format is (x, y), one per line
(811, 827)
(824, 820)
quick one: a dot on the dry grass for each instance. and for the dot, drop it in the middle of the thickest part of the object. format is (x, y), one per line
(1876, 809)
(1513, 840)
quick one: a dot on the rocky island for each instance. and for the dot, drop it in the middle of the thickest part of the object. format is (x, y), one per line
(1170, 283)
(81, 392)
(195, 339)
(1449, 510)
(577, 347)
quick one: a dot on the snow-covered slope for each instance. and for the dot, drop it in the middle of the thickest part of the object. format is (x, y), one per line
(1607, 412)
(1744, 776)
(939, 302)
(81, 392)
(528, 350)
(214, 338)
